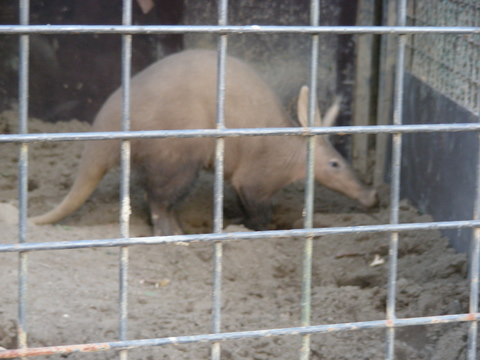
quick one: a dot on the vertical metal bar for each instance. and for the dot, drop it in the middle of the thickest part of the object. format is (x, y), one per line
(219, 180)
(23, 175)
(310, 185)
(475, 261)
(125, 177)
(395, 182)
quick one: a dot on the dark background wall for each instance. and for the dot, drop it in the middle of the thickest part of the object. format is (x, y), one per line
(71, 75)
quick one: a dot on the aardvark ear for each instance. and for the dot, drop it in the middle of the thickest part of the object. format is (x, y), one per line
(332, 112)
(302, 108)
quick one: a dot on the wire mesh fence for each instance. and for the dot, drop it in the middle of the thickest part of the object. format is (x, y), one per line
(436, 60)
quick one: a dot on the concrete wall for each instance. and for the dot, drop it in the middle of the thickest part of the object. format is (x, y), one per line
(439, 169)
(284, 59)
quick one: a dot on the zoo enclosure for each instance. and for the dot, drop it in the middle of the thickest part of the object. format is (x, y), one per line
(399, 34)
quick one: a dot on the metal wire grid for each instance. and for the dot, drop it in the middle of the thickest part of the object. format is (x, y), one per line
(449, 64)
(23, 176)
(308, 233)
(125, 177)
(219, 182)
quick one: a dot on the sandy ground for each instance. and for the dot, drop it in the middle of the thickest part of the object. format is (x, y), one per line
(72, 294)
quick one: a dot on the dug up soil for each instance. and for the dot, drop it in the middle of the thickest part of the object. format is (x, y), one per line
(72, 295)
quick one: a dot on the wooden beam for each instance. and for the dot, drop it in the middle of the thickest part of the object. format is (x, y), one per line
(385, 93)
(365, 76)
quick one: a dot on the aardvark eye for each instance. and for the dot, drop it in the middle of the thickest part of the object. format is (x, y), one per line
(334, 163)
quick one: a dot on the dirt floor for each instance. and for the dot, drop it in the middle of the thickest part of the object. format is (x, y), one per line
(72, 294)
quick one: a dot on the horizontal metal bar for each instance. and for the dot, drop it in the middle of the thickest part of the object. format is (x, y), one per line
(269, 235)
(215, 133)
(205, 338)
(232, 29)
